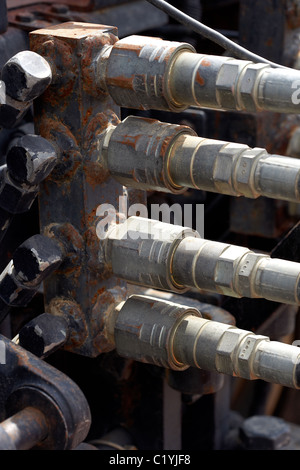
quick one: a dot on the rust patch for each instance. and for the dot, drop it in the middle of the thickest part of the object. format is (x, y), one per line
(205, 63)
(200, 80)
(137, 48)
(131, 140)
(102, 313)
(95, 174)
(90, 51)
(74, 315)
(121, 81)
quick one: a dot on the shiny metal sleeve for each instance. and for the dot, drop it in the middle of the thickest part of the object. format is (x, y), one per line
(211, 345)
(235, 271)
(152, 155)
(233, 84)
(233, 169)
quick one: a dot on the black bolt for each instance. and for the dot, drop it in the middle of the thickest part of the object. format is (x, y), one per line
(31, 159)
(44, 334)
(35, 259)
(12, 111)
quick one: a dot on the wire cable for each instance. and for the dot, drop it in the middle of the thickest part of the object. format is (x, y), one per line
(211, 34)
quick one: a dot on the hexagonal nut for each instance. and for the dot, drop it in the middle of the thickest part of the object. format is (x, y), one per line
(264, 433)
(226, 348)
(226, 267)
(246, 349)
(14, 198)
(244, 174)
(222, 172)
(248, 86)
(245, 278)
(26, 76)
(35, 259)
(225, 83)
(44, 334)
(12, 112)
(12, 292)
(31, 159)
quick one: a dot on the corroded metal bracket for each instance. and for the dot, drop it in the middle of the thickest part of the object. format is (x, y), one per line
(74, 114)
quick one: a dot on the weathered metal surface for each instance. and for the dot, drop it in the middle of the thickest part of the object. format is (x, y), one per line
(262, 27)
(26, 381)
(73, 114)
(137, 74)
(129, 16)
(145, 145)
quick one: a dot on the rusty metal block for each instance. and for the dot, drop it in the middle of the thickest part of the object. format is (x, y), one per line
(74, 114)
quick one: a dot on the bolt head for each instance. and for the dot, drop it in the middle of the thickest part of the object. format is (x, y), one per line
(44, 334)
(248, 86)
(31, 159)
(35, 259)
(11, 291)
(26, 76)
(14, 198)
(11, 111)
(264, 433)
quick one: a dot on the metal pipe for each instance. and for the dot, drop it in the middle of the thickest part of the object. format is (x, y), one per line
(23, 430)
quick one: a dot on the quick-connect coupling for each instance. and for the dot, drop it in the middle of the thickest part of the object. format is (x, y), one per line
(211, 345)
(144, 329)
(141, 251)
(151, 155)
(174, 258)
(175, 336)
(149, 73)
(138, 70)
